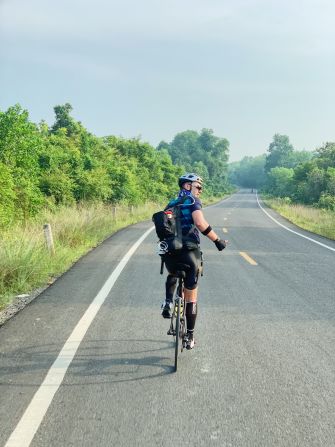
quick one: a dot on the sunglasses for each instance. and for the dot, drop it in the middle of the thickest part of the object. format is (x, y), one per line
(199, 188)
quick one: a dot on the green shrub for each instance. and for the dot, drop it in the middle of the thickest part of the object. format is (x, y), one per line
(327, 201)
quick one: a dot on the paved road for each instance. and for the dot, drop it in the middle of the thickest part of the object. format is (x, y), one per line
(262, 373)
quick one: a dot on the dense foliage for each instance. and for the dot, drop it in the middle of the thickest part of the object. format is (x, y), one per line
(65, 164)
(299, 176)
(203, 153)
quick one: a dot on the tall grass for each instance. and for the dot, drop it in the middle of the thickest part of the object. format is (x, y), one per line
(316, 220)
(25, 262)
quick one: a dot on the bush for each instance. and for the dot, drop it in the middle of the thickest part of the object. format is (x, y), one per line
(327, 201)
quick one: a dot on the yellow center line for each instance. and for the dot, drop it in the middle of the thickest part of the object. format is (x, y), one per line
(248, 258)
(225, 230)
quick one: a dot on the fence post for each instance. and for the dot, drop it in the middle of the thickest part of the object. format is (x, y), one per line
(114, 212)
(48, 238)
(131, 209)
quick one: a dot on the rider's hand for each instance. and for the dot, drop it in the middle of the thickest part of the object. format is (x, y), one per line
(220, 244)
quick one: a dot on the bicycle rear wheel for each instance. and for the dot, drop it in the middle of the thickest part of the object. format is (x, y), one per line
(177, 336)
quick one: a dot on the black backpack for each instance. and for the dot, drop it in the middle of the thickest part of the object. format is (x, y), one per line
(168, 228)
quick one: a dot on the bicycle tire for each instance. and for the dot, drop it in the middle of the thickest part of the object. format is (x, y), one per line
(177, 337)
(182, 325)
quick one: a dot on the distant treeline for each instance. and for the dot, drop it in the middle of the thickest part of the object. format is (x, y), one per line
(42, 166)
(300, 176)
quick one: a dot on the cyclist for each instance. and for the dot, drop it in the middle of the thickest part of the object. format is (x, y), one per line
(192, 221)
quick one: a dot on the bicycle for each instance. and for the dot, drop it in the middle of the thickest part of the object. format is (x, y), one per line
(178, 324)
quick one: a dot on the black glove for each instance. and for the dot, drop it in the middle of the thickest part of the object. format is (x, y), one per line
(220, 245)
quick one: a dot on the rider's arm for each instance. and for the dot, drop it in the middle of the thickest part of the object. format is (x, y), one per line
(201, 223)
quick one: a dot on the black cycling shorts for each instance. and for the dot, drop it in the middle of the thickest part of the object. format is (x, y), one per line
(189, 257)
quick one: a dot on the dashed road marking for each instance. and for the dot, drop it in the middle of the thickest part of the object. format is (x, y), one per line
(248, 258)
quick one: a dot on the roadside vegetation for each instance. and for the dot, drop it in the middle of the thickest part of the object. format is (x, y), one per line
(25, 261)
(317, 220)
(300, 185)
(66, 176)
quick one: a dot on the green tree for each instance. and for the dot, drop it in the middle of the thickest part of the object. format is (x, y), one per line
(325, 156)
(19, 140)
(59, 186)
(296, 158)
(316, 184)
(205, 152)
(20, 145)
(313, 181)
(7, 196)
(61, 164)
(93, 185)
(163, 145)
(279, 154)
(330, 180)
(153, 170)
(64, 119)
(184, 148)
(169, 174)
(280, 181)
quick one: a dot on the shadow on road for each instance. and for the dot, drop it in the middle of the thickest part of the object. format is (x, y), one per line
(113, 360)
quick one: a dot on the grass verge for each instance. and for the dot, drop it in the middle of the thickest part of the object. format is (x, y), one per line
(316, 220)
(25, 263)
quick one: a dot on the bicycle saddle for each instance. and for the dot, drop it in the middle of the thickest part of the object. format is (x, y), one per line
(181, 270)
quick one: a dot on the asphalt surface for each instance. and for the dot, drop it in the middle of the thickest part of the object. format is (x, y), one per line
(262, 372)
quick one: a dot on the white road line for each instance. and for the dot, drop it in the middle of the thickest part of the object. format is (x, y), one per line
(36, 410)
(292, 231)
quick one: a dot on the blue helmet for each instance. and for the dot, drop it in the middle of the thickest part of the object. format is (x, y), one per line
(189, 177)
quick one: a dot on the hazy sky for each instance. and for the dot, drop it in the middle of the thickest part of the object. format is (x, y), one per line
(245, 68)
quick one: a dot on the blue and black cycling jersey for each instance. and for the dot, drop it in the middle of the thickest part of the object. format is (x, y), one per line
(189, 205)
